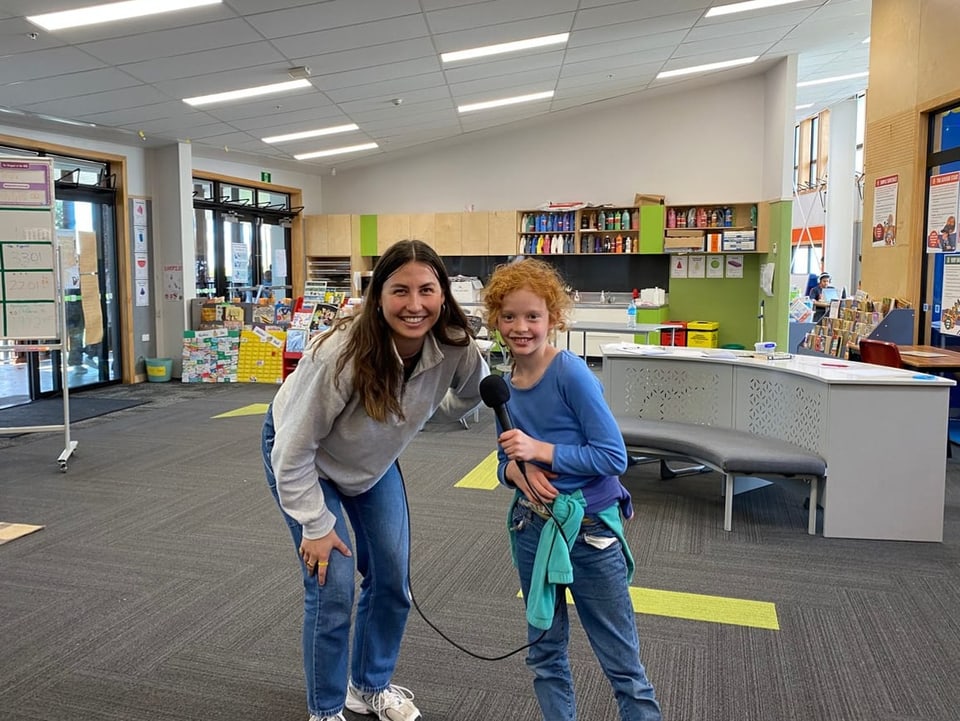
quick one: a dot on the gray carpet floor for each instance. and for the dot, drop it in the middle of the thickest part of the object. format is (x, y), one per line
(164, 586)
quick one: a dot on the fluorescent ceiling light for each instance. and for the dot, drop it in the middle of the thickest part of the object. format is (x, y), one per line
(804, 107)
(504, 101)
(311, 133)
(65, 121)
(336, 151)
(247, 92)
(835, 79)
(112, 11)
(745, 7)
(706, 68)
(504, 47)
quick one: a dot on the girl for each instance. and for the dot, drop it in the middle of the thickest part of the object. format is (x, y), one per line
(331, 441)
(563, 458)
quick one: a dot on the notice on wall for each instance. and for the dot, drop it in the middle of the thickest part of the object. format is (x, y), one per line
(696, 266)
(678, 266)
(715, 266)
(734, 266)
(885, 211)
(942, 213)
(173, 282)
(950, 296)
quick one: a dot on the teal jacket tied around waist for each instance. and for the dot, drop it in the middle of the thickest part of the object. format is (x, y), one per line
(552, 565)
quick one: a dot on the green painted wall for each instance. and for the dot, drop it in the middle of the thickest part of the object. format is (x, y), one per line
(735, 303)
(368, 235)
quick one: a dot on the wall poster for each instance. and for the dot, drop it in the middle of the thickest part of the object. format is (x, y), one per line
(942, 213)
(885, 211)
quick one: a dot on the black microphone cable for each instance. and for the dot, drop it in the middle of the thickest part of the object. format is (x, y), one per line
(561, 595)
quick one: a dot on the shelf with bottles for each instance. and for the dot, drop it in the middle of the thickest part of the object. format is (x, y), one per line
(736, 216)
(587, 231)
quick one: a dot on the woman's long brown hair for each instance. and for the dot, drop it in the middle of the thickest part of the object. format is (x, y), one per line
(377, 372)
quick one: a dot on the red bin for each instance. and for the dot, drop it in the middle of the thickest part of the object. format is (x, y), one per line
(676, 337)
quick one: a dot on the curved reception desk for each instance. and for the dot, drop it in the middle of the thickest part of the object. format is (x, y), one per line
(882, 431)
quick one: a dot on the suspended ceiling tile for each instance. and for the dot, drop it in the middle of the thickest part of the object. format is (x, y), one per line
(673, 15)
(364, 35)
(496, 12)
(326, 15)
(223, 81)
(430, 85)
(733, 46)
(265, 107)
(362, 111)
(475, 37)
(171, 111)
(168, 43)
(99, 102)
(534, 62)
(44, 64)
(367, 76)
(282, 122)
(15, 37)
(600, 53)
(372, 57)
(232, 59)
(499, 85)
(627, 37)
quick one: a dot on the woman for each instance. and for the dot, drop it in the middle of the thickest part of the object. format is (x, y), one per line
(331, 440)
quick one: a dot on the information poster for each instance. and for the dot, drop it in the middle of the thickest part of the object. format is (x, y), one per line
(885, 211)
(715, 266)
(734, 266)
(942, 213)
(696, 266)
(678, 266)
(173, 282)
(950, 298)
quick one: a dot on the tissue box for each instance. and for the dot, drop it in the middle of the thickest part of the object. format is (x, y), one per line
(466, 290)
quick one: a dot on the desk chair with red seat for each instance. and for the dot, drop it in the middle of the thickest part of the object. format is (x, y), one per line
(880, 352)
(884, 353)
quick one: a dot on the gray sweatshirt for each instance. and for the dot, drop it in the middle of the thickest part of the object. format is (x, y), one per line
(324, 431)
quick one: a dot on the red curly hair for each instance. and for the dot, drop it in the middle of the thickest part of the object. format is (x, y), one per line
(537, 276)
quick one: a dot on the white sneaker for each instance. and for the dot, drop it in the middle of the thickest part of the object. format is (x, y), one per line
(335, 717)
(394, 703)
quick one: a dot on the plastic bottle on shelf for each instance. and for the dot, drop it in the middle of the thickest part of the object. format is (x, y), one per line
(671, 218)
(728, 217)
(631, 315)
(625, 220)
(601, 220)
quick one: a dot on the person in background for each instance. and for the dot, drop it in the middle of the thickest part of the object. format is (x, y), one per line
(563, 459)
(331, 442)
(815, 294)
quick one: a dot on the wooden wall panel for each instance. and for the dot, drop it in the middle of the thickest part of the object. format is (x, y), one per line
(913, 61)
(423, 227)
(474, 233)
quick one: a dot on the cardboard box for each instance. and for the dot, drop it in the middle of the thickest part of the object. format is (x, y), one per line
(677, 240)
(739, 240)
(703, 334)
(641, 199)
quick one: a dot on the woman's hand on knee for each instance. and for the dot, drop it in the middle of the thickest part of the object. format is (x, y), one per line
(316, 553)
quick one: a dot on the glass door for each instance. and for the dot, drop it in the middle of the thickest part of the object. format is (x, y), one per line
(87, 241)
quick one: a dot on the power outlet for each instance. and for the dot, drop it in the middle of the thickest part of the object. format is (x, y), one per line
(145, 337)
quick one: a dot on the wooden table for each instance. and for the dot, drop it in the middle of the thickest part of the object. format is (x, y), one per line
(933, 359)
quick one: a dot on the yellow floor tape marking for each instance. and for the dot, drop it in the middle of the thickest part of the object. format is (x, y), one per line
(483, 477)
(712, 609)
(10, 531)
(254, 409)
(697, 607)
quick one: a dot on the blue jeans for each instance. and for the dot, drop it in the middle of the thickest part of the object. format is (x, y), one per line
(379, 521)
(600, 592)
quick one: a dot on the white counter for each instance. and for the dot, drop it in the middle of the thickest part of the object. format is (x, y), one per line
(882, 431)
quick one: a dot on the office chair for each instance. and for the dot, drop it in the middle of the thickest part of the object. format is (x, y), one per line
(880, 352)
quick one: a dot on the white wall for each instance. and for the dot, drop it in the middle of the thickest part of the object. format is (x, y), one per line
(697, 147)
(310, 184)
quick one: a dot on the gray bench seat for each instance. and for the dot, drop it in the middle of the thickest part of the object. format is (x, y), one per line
(727, 451)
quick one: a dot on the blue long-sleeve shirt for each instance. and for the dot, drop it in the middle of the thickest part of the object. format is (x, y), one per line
(566, 408)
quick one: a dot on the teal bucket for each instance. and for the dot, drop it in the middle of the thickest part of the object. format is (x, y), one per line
(158, 369)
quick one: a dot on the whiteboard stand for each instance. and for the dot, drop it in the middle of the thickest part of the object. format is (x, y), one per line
(31, 272)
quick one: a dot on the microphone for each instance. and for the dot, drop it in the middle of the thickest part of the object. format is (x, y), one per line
(495, 393)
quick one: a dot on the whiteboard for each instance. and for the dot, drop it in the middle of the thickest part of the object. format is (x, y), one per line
(28, 290)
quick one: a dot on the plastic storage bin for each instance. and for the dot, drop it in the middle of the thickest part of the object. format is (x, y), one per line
(703, 334)
(158, 369)
(679, 336)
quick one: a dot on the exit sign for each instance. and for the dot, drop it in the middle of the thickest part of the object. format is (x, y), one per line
(264, 177)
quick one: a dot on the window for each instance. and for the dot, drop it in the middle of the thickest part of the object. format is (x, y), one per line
(814, 149)
(241, 241)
